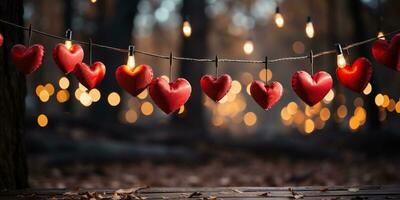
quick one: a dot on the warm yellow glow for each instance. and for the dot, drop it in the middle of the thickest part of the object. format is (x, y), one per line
(342, 111)
(63, 83)
(385, 101)
(78, 93)
(42, 120)
(246, 78)
(131, 116)
(248, 89)
(309, 126)
(360, 113)
(236, 87)
(368, 89)
(358, 102)
(329, 97)
(50, 88)
(354, 124)
(68, 44)
(250, 119)
(391, 106)
(165, 78)
(292, 108)
(82, 87)
(248, 47)
(186, 29)
(299, 118)
(113, 99)
(85, 99)
(279, 21)
(381, 35)
(324, 114)
(310, 30)
(217, 121)
(44, 96)
(261, 74)
(62, 96)
(38, 89)
(285, 114)
(143, 94)
(147, 108)
(93, 1)
(397, 107)
(131, 62)
(341, 61)
(379, 99)
(95, 94)
(181, 109)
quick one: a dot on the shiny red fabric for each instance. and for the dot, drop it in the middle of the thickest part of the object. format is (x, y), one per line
(216, 88)
(266, 95)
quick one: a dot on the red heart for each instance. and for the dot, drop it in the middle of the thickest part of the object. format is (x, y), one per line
(1, 40)
(216, 88)
(65, 58)
(357, 76)
(134, 81)
(27, 60)
(169, 96)
(90, 76)
(311, 89)
(266, 95)
(387, 53)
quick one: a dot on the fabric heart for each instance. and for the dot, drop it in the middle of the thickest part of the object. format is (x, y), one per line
(90, 76)
(27, 60)
(311, 89)
(134, 82)
(65, 58)
(170, 96)
(216, 88)
(387, 53)
(266, 95)
(357, 76)
(1, 40)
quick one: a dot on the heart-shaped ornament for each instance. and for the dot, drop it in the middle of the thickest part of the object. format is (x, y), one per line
(90, 76)
(311, 89)
(169, 97)
(66, 59)
(266, 95)
(136, 80)
(216, 88)
(388, 53)
(27, 60)
(356, 76)
(1, 40)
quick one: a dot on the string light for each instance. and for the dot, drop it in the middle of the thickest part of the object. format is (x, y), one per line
(187, 29)
(131, 58)
(68, 42)
(248, 47)
(309, 28)
(341, 61)
(381, 35)
(279, 21)
(93, 1)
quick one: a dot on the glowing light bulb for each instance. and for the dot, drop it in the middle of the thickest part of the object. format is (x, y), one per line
(310, 28)
(248, 47)
(131, 58)
(68, 42)
(93, 1)
(186, 29)
(340, 59)
(279, 21)
(381, 35)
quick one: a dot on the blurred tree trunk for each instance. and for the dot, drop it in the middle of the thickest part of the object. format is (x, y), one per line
(194, 46)
(356, 9)
(13, 167)
(115, 29)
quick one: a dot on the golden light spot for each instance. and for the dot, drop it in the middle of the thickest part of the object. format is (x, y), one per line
(391, 106)
(342, 111)
(261, 74)
(379, 99)
(82, 87)
(248, 89)
(360, 114)
(284, 114)
(292, 108)
(368, 89)
(319, 124)
(78, 93)
(397, 107)
(95, 94)
(42, 120)
(324, 114)
(250, 119)
(131, 116)
(287, 122)
(236, 87)
(63, 82)
(354, 123)
(298, 47)
(309, 126)
(147, 108)
(248, 47)
(38, 89)
(181, 109)
(50, 88)
(217, 121)
(329, 97)
(299, 118)
(113, 99)
(358, 102)
(385, 101)
(44, 96)
(143, 94)
(93, 1)
(62, 96)
(85, 99)
(223, 100)
(246, 78)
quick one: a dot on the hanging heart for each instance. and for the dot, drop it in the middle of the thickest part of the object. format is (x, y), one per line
(27, 60)
(90, 76)
(136, 80)
(387, 53)
(356, 76)
(266, 95)
(170, 96)
(311, 89)
(65, 58)
(1, 40)
(216, 88)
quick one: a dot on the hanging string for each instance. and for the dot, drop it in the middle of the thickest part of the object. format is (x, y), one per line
(170, 66)
(216, 66)
(329, 52)
(90, 51)
(312, 62)
(30, 35)
(266, 70)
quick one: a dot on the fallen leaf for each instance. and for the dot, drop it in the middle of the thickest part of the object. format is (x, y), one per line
(298, 196)
(194, 194)
(237, 191)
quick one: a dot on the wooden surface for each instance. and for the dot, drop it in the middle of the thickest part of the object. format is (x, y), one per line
(308, 192)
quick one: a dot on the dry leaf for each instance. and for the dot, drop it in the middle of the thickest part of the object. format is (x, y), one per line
(194, 194)
(236, 190)
(298, 196)
(71, 193)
